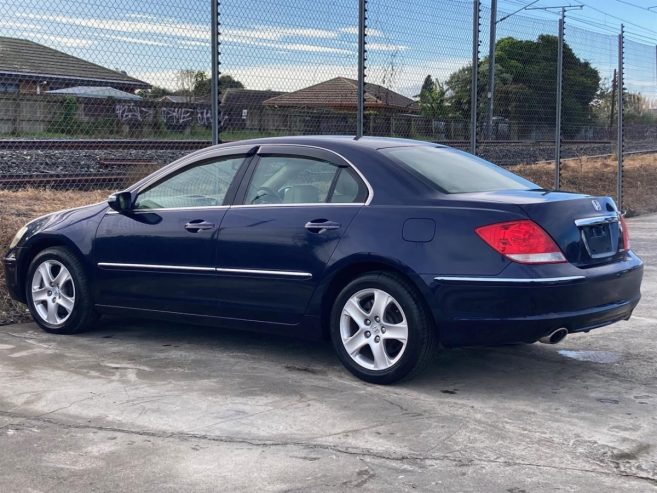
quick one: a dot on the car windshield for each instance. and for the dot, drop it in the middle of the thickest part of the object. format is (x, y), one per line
(453, 171)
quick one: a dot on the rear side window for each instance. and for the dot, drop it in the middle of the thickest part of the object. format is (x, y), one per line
(282, 179)
(453, 171)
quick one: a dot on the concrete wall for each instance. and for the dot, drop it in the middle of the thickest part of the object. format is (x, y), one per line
(24, 114)
(32, 114)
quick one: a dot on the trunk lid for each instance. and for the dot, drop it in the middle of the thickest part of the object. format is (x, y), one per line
(586, 228)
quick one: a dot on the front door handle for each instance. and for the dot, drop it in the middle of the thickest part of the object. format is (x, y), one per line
(321, 225)
(198, 225)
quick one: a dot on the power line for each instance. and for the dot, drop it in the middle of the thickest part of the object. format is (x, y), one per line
(519, 10)
(647, 9)
(625, 21)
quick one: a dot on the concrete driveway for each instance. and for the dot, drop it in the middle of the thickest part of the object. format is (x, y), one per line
(152, 407)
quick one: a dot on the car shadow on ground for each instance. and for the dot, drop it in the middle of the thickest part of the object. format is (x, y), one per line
(513, 369)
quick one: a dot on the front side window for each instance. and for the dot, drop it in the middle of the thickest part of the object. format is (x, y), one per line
(453, 171)
(301, 180)
(201, 185)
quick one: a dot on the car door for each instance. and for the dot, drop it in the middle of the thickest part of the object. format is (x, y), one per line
(161, 255)
(293, 206)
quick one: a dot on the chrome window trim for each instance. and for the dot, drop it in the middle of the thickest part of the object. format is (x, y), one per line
(212, 152)
(510, 279)
(311, 204)
(216, 207)
(195, 208)
(224, 270)
(370, 190)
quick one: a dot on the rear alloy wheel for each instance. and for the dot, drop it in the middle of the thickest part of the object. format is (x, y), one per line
(57, 292)
(380, 332)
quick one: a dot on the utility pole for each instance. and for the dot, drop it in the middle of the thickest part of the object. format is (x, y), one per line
(360, 116)
(621, 114)
(214, 75)
(474, 84)
(491, 68)
(557, 128)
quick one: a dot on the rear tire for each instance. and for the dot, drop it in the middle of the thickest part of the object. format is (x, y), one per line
(58, 293)
(381, 330)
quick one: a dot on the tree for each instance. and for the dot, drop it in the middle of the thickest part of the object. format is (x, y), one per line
(155, 92)
(637, 108)
(525, 88)
(432, 98)
(185, 80)
(203, 84)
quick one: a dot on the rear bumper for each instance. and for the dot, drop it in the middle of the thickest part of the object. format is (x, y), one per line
(490, 311)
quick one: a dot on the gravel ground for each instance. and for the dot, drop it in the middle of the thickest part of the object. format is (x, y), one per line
(31, 162)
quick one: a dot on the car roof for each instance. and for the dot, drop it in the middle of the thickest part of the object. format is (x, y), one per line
(331, 141)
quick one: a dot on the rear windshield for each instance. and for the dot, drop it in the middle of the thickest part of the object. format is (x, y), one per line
(453, 171)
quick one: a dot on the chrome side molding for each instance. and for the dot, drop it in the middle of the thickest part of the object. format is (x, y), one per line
(112, 265)
(287, 273)
(220, 270)
(518, 280)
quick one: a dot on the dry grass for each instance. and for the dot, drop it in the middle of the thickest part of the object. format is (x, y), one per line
(587, 175)
(17, 208)
(597, 176)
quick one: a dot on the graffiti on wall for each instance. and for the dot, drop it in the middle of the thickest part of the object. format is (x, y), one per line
(174, 117)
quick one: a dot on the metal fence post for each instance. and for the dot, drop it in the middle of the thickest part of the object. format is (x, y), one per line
(621, 115)
(491, 69)
(476, 12)
(360, 116)
(557, 131)
(215, 72)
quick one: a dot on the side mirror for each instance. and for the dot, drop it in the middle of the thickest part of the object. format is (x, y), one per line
(120, 201)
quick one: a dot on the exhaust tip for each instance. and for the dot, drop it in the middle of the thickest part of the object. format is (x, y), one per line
(555, 337)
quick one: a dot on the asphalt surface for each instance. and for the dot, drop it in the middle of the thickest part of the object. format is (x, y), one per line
(132, 406)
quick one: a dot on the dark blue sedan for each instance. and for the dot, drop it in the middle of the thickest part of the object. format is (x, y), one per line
(390, 247)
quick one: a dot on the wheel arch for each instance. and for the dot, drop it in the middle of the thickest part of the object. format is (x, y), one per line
(40, 243)
(349, 269)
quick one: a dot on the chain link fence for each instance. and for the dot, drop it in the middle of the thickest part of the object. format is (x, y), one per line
(94, 95)
(98, 94)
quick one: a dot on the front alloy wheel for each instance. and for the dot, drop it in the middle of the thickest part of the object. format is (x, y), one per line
(381, 329)
(53, 292)
(58, 294)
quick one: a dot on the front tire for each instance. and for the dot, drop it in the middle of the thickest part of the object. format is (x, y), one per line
(58, 294)
(381, 330)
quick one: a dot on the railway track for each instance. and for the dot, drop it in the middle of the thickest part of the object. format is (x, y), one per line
(127, 173)
(94, 145)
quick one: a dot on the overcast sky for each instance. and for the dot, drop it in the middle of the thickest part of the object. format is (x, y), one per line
(289, 44)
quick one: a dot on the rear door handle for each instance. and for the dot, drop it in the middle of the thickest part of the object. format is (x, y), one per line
(321, 225)
(198, 225)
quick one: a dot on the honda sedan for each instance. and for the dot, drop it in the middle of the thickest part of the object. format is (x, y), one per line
(391, 248)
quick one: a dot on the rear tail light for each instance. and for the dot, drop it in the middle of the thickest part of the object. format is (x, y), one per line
(626, 234)
(522, 241)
